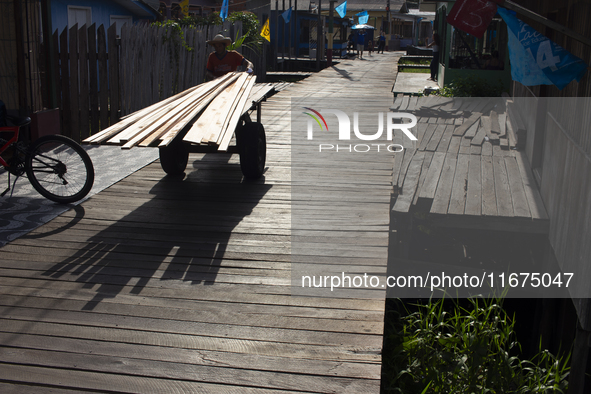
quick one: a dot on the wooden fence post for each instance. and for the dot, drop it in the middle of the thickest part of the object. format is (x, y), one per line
(84, 93)
(103, 78)
(113, 57)
(74, 114)
(93, 80)
(65, 83)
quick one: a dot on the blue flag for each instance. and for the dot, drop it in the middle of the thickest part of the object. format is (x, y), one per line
(342, 9)
(287, 15)
(536, 60)
(363, 17)
(224, 10)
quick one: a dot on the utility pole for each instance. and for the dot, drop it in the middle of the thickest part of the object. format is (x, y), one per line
(330, 33)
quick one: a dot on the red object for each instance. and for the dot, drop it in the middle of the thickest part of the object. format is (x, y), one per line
(472, 16)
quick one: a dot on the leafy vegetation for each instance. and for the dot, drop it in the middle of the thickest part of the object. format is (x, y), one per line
(471, 87)
(432, 348)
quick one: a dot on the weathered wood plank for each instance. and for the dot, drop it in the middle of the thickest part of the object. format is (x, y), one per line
(433, 176)
(489, 199)
(520, 204)
(84, 88)
(458, 194)
(103, 78)
(444, 186)
(404, 200)
(93, 80)
(502, 190)
(474, 192)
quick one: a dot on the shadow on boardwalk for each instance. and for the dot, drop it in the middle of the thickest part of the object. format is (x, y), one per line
(191, 218)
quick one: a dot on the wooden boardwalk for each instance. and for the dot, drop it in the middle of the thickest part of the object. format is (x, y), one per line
(160, 285)
(465, 170)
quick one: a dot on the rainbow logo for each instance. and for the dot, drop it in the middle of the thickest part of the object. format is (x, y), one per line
(315, 118)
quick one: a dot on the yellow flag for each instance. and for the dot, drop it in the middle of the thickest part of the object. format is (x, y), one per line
(266, 32)
(185, 7)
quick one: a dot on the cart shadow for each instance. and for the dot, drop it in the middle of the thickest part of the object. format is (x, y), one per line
(179, 232)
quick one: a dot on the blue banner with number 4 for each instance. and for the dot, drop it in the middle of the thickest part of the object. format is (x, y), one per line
(536, 60)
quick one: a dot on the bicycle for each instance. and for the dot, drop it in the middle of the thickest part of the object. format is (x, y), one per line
(56, 166)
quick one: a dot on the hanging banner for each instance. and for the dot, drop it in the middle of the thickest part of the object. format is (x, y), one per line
(224, 10)
(363, 17)
(472, 16)
(536, 60)
(287, 15)
(185, 7)
(266, 31)
(342, 9)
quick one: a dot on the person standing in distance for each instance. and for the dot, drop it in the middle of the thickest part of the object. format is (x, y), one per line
(222, 61)
(360, 43)
(435, 60)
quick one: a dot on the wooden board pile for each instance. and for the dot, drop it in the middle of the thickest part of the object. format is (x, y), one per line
(215, 108)
(464, 161)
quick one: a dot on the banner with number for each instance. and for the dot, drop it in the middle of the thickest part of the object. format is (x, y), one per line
(472, 16)
(536, 60)
(266, 31)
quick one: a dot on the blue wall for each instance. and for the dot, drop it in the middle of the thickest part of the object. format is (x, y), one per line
(101, 12)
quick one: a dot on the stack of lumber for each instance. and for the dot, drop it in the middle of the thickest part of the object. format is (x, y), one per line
(213, 108)
(464, 161)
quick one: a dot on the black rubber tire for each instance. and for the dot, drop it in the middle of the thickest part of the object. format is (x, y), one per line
(59, 169)
(252, 146)
(174, 158)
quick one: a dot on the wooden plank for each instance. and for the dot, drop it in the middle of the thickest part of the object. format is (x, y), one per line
(436, 138)
(446, 138)
(494, 123)
(93, 80)
(444, 186)
(479, 137)
(489, 199)
(397, 166)
(56, 69)
(404, 200)
(433, 176)
(408, 155)
(535, 202)
(65, 71)
(427, 136)
(474, 192)
(425, 167)
(113, 73)
(461, 130)
(502, 190)
(520, 204)
(454, 145)
(487, 149)
(472, 130)
(103, 78)
(84, 88)
(235, 118)
(74, 114)
(457, 200)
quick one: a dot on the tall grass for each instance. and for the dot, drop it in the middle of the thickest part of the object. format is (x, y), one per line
(472, 348)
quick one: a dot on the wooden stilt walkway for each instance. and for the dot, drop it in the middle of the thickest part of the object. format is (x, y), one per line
(160, 285)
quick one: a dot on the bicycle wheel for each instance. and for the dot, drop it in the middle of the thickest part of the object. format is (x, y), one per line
(59, 169)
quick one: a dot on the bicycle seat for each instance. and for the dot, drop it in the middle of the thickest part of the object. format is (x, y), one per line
(18, 121)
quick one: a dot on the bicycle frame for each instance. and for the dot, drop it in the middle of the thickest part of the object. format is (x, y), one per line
(16, 131)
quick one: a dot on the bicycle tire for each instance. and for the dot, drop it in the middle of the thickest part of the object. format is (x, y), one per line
(59, 169)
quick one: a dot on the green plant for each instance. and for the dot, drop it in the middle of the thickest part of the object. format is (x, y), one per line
(463, 349)
(250, 30)
(471, 87)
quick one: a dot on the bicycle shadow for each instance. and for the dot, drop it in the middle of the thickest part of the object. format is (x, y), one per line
(179, 229)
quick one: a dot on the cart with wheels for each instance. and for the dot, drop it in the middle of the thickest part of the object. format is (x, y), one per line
(201, 119)
(251, 145)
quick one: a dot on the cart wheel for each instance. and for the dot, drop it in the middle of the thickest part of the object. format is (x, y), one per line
(252, 146)
(174, 158)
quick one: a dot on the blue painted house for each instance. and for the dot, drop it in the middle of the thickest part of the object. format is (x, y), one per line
(66, 13)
